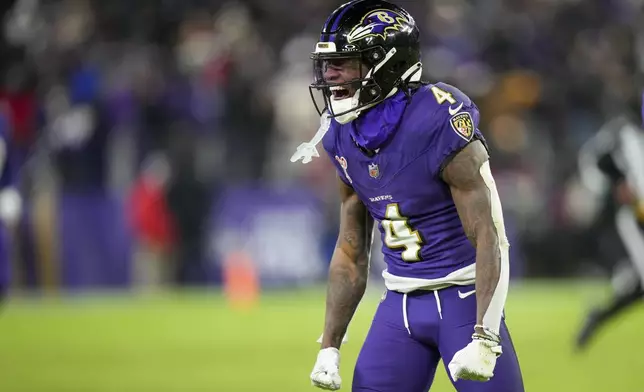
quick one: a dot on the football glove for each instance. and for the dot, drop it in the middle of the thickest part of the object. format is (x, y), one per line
(326, 372)
(477, 360)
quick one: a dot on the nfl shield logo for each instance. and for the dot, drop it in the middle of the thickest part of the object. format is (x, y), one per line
(374, 171)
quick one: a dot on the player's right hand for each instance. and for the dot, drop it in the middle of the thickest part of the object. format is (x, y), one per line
(326, 372)
(476, 361)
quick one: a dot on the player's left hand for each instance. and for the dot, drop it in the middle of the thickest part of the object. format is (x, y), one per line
(326, 372)
(477, 360)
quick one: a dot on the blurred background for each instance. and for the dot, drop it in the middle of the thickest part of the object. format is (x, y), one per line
(164, 241)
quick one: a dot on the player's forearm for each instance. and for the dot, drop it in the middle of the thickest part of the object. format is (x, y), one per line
(347, 284)
(479, 207)
(488, 270)
(348, 270)
(478, 223)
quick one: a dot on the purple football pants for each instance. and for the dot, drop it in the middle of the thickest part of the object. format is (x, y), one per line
(396, 359)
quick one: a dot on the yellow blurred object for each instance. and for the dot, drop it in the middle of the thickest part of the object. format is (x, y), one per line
(639, 211)
(521, 88)
(509, 133)
(241, 283)
(45, 226)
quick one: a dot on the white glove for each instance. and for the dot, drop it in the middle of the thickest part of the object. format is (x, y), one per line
(476, 361)
(326, 372)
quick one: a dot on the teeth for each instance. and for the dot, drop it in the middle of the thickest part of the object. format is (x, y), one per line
(338, 88)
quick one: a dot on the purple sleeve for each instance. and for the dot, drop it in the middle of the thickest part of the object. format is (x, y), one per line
(452, 132)
(338, 161)
(340, 164)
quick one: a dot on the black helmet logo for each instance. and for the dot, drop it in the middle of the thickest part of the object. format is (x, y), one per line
(377, 23)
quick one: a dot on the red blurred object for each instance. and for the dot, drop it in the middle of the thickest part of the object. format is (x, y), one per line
(149, 214)
(22, 112)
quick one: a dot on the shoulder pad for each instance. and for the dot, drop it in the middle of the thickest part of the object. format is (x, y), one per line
(454, 123)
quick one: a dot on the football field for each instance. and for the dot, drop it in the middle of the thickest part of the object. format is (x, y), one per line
(193, 341)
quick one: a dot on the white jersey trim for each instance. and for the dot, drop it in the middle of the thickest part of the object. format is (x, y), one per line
(461, 277)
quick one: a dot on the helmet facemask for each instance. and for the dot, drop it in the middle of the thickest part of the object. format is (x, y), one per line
(381, 80)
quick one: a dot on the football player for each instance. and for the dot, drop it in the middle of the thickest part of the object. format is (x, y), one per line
(611, 166)
(410, 156)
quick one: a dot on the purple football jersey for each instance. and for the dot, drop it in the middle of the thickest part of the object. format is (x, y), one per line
(401, 184)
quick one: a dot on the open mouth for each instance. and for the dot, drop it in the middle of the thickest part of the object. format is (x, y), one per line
(340, 92)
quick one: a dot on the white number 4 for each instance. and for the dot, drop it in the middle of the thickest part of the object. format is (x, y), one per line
(442, 96)
(398, 234)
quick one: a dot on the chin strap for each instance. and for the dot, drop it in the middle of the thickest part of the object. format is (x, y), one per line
(307, 151)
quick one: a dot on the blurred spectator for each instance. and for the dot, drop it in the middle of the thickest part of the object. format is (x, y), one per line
(93, 236)
(152, 224)
(189, 201)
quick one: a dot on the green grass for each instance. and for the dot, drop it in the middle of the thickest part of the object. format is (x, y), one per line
(195, 342)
